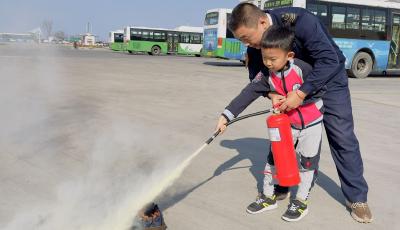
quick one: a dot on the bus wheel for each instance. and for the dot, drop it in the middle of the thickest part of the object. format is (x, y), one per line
(130, 51)
(155, 50)
(200, 53)
(362, 65)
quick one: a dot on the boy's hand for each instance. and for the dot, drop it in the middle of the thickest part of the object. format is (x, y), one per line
(276, 99)
(221, 125)
(293, 100)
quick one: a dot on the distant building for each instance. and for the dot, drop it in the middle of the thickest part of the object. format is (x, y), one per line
(31, 36)
(19, 37)
(88, 39)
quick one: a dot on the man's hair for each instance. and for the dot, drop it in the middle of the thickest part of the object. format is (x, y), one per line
(245, 14)
(281, 37)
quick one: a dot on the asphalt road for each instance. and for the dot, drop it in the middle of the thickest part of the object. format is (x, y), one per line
(86, 133)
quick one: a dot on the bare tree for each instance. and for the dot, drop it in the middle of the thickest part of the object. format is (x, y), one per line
(47, 27)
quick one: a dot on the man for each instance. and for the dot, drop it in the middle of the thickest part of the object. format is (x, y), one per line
(314, 45)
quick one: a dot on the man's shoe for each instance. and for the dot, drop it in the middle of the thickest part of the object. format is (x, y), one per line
(360, 212)
(296, 211)
(262, 204)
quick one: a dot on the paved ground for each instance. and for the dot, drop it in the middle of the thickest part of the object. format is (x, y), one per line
(85, 134)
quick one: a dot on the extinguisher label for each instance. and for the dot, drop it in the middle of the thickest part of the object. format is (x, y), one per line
(274, 134)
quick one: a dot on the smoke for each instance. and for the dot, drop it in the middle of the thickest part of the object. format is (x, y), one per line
(119, 175)
(77, 160)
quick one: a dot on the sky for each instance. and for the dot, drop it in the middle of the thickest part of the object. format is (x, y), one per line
(72, 16)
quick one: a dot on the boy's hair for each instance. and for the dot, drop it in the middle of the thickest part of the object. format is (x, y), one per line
(245, 14)
(278, 37)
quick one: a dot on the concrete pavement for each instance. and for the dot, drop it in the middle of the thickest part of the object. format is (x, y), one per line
(86, 133)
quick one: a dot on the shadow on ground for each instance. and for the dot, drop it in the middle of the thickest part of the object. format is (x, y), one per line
(255, 150)
(224, 64)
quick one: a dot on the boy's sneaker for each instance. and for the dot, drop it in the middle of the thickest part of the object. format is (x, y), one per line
(262, 204)
(296, 211)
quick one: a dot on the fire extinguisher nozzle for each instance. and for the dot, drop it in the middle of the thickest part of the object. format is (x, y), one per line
(235, 120)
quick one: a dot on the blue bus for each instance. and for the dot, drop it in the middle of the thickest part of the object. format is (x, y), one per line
(367, 32)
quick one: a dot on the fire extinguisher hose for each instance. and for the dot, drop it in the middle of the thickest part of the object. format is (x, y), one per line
(235, 120)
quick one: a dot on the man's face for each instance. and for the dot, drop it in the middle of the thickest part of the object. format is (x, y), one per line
(251, 36)
(275, 58)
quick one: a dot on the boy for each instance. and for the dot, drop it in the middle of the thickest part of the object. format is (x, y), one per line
(314, 45)
(285, 76)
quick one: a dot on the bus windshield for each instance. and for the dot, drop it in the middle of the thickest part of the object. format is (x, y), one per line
(211, 19)
(118, 37)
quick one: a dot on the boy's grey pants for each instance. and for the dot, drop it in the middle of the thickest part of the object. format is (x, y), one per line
(308, 147)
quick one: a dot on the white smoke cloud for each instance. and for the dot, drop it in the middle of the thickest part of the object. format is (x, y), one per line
(89, 165)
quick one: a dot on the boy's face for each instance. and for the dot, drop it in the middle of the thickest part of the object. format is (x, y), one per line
(275, 58)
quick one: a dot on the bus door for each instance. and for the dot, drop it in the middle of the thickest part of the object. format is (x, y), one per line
(394, 55)
(173, 40)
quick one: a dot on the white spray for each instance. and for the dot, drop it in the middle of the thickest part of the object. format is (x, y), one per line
(136, 204)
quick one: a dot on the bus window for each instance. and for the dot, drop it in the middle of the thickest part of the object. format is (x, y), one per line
(367, 19)
(211, 19)
(185, 38)
(338, 17)
(159, 36)
(353, 18)
(145, 35)
(321, 11)
(195, 38)
(136, 35)
(380, 20)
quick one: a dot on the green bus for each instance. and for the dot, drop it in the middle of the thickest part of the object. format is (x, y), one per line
(218, 39)
(117, 40)
(154, 41)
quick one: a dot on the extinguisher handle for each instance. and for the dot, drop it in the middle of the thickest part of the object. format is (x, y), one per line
(235, 120)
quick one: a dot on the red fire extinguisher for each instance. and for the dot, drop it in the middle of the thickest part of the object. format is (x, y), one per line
(280, 133)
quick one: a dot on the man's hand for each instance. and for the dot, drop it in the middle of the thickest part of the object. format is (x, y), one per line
(221, 125)
(276, 99)
(293, 100)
